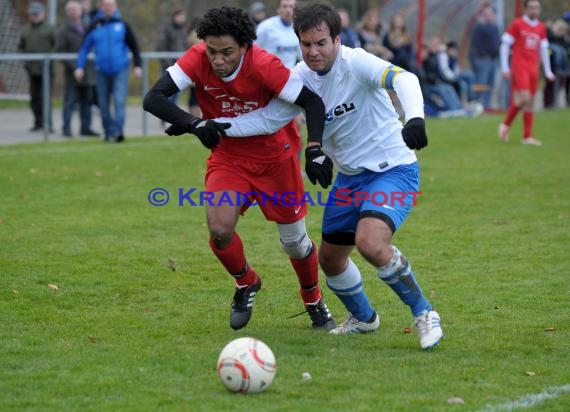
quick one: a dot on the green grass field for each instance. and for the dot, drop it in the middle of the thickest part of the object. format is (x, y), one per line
(141, 308)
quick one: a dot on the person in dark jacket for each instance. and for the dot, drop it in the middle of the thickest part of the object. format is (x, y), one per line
(348, 37)
(172, 38)
(484, 53)
(37, 37)
(111, 37)
(399, 42)
(68, 40)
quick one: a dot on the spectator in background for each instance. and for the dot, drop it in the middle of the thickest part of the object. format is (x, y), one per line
(89, 11)
(526, 39)
(172, 38)
(461, 80)
(559, 39)
(68, 40)
(111, 37)
(483, 54)
(37, 37)
(348, 37)
(566, 18)
(400, 44)
(369, 35)
(257, 12)
(438, 92)
(191, 40)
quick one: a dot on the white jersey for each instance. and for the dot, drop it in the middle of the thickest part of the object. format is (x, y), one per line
(279, 39)
(362, 128)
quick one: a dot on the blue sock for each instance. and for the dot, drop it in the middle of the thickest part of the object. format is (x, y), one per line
(348, 287)
(399, 276)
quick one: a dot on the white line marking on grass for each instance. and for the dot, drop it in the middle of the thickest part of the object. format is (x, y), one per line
(528, 401)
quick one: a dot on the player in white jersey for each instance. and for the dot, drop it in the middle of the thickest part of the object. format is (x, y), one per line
(276, 34)
(378, 176)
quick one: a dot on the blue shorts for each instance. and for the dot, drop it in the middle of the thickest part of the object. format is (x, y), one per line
(388, 196)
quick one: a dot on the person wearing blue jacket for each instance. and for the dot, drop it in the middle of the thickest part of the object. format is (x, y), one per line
(111, 38)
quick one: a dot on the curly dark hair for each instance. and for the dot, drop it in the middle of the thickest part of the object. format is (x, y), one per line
(311, 15)
(223, 21)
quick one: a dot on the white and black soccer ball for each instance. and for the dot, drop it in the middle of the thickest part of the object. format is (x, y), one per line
(246, 365)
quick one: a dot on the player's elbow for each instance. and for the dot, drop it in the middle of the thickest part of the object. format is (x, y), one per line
(150, 100)
(407, 80)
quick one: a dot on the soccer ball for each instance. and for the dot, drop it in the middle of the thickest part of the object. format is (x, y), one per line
(246, 365)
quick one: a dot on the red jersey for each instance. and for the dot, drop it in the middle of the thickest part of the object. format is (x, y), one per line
(526, 46)
(260, 77)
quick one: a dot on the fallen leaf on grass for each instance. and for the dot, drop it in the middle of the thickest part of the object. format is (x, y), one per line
(456, 400)
(530, 373)
(550, 330)
(52, 286)
(407, 330)
(171, 264)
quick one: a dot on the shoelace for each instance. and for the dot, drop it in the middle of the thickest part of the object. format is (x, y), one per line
(240, 298)
(423, 323)
(315, 309)
(347, 324)
(318, 314)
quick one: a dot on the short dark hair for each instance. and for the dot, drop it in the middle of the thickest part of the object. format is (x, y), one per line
(452, 44)
(309, 16)
(223, 21)
(525, 2)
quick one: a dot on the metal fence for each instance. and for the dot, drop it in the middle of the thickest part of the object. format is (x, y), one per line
(48, 58)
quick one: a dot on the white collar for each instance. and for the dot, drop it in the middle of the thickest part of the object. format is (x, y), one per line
(236, 71)
(531, 21)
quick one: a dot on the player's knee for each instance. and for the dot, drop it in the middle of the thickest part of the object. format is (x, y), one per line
(525, 98)
(298, 247)
(373, 249)
(330, 262)
(221, 235)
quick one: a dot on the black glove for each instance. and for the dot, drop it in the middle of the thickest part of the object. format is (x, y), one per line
(414, 133)
(318, 166)
(208, 131)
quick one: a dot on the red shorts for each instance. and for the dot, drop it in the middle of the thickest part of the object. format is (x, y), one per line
(276, 187)
(522, 80)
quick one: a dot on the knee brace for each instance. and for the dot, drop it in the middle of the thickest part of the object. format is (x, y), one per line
(294, 239)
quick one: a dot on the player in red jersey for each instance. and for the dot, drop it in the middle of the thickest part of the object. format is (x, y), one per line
(526, 39)
(232, 76)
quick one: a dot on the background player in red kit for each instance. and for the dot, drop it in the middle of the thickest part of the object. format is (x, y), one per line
(526, 38)
(232, 76)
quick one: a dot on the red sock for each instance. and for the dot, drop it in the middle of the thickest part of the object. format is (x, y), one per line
(528, 119)
(511, 114)
(308, 274)
(233, 259)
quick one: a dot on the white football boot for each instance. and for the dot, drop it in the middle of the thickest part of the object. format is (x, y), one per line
(429, 329)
